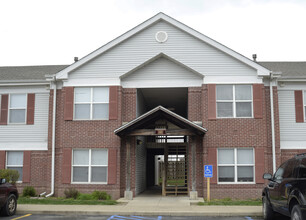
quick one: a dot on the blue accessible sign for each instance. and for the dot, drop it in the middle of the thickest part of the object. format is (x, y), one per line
(208, 171)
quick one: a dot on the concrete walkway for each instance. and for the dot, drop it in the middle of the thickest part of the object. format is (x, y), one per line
(145, 206)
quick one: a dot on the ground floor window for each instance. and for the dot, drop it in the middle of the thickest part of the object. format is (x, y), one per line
(14, 161)
(89, 166)
(236, 165)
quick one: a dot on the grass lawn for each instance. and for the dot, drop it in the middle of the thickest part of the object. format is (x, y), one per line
(63, 201)
(228, 201)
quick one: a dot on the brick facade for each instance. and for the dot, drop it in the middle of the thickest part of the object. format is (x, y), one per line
(222, 133)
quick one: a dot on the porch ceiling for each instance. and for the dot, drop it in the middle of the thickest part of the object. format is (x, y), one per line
(144, 123)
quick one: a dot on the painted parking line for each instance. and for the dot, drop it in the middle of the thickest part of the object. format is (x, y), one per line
(24, 216)
(248, 218)
(118, 217)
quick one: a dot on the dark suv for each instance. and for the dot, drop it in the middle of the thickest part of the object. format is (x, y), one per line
(286, 191)
(8, 198)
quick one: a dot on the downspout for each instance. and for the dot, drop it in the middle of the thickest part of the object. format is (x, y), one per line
(53, 138)
(272, 122)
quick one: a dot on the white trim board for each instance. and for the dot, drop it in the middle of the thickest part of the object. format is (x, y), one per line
(24, 146)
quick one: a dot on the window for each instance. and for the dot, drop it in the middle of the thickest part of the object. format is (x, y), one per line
(14, 161)
(91, 103)
(90, 166)
(236, 165)
(234, 101)
(17, 108)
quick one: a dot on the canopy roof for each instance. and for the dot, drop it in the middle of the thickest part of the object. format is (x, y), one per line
(143, 124)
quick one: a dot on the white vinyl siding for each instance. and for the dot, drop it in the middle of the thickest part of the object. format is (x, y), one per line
(236, 165)
(162, 72)
(90, 166)
(234, 101)
(292, 134)
(180, 46)
(27, 137)
(17, 108)
(14, 161)
(91, 103)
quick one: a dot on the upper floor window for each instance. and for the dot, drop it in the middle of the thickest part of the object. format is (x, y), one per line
(14, 161)
(234, 101)
(91, 103)
(17, 108)
(236, 165)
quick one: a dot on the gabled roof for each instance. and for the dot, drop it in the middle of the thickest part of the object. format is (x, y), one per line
(289, 70)
(261, 71)
(161, 55)
(28, 73)
(155, 114)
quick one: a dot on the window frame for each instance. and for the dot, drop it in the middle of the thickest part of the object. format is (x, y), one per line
(9, 109)
(234, 101)
(236, 165)
(90, 103)
(14, 166)
(89, 166)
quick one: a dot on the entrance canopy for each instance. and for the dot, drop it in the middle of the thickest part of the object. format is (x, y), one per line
(151, 124)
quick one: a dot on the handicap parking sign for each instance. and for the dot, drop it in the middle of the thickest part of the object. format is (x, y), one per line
(208, 171)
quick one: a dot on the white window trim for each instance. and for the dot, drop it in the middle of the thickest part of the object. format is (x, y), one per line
(234, 101)
(235, 165)
(91, 103)
(89, 167)
(18, 166)
(9, 109)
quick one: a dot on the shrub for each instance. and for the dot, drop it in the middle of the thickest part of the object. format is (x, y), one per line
(29, 191)
(11, 176)
(85, 196)
(100, 195)
(71, 193)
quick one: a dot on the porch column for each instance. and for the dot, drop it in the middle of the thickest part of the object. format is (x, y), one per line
(193, 193)
(128, 194)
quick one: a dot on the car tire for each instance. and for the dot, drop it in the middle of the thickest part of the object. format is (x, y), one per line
(267, 210)
(10, 206)
(296, 213)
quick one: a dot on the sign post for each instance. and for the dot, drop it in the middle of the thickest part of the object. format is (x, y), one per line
(208, 173)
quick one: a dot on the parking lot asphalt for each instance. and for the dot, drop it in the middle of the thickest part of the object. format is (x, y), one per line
(126, 217)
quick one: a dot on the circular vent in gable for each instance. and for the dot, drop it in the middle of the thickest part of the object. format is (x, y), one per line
(161, 36)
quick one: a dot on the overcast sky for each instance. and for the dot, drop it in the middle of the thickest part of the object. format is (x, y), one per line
(39, 32)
